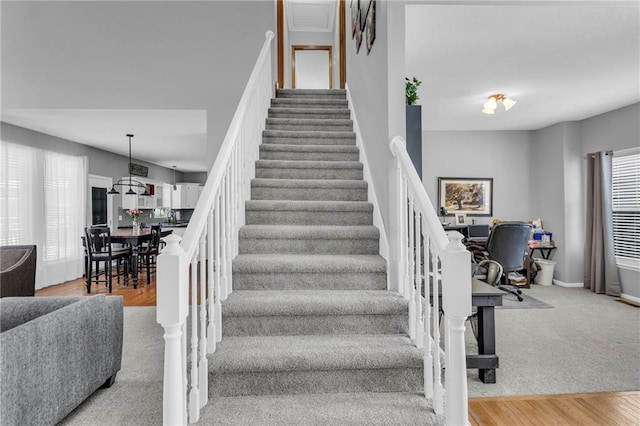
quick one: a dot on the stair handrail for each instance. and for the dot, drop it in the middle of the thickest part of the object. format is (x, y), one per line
(426, 258)
(209, 243)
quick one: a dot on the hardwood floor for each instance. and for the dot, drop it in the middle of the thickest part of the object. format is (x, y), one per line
(595, 409)
(589, 409)
(144, 295)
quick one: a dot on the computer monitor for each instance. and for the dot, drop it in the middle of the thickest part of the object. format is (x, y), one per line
(478, 233)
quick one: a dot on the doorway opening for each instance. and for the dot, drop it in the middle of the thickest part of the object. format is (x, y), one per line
(100, 205)
(311, 67)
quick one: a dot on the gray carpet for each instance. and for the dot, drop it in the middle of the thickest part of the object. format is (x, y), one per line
(509, 301)
(587, 343)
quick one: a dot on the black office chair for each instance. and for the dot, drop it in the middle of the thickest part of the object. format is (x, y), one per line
(507, 245)
(97, 248)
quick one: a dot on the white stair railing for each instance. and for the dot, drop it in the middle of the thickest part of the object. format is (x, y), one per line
(429, 262)
(194, 273)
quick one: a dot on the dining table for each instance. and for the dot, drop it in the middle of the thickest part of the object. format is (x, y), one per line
(135, 239)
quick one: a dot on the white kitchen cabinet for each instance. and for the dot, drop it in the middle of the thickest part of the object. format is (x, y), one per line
(133, 201)
(185, 196)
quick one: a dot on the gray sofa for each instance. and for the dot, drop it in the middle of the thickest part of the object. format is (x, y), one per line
(54, 353)
(17, 271)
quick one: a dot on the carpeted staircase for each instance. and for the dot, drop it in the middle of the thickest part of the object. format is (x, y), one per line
(310, 333)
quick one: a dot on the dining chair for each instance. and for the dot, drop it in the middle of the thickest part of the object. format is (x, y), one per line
(98, 248)
(148, 252)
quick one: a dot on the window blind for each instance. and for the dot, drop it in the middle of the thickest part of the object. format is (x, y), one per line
(43, 202)
(626, 205)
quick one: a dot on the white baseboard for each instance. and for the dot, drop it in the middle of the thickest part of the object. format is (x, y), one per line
(630, 297)
(563, 284)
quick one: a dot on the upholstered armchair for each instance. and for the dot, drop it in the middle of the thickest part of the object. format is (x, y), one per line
(17, 271)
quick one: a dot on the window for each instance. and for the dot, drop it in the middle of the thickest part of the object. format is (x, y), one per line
(43, 202)
(626, 207)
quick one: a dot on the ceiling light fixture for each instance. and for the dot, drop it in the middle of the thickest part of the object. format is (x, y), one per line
(129, 182)
(491, 105)
(175, 187)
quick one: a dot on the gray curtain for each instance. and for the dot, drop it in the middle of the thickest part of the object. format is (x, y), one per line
(600, 270)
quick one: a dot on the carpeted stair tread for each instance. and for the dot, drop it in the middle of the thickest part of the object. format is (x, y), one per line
(309, 189)
(309, 113)
(301, 212)
(309, 103)
(309, 169)
(314, 232)
(304, 137)
(309, 206)
(344, 409)
(315, 352)
(322, 124)
(309, 152)
(335, 184)
(316, 303)
(312, 93)
(310, 148)
(314, 164)
(300, 263)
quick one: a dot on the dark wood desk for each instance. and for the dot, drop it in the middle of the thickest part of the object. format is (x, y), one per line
(485, 298)
(126, 236)
(545, 251)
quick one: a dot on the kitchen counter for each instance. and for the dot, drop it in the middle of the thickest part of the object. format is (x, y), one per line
(174, 225)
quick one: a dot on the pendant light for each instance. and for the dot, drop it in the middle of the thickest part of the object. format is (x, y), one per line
(131, 183)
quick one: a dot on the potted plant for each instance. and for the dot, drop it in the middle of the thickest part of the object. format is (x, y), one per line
(414, 123)
(411, 90)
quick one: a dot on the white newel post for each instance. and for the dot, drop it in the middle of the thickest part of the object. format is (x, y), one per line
(456, 299)
(171, 312)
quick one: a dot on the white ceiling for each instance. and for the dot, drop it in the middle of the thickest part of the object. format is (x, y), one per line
(560, 63)
(310, 15)
(164, 137)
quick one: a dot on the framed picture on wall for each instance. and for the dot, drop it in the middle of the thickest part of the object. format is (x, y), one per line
(370, 24)
(355, 17)
(461, 218)
(469, 196)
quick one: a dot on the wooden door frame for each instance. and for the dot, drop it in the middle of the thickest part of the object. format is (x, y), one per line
(341, 47)
(297, 47)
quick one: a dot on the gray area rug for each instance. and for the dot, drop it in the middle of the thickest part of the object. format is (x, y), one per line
(509, 301)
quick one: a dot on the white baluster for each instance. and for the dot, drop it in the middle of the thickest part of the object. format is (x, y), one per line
(438, 397)
(405, 237)
(400, 202)
(223, 239)
(410, 272)
(212, 337)
(194, 393)
(227, 231)
(418, 283)
(185, 379)
(203, 368)
(428, 355)
(217, 284)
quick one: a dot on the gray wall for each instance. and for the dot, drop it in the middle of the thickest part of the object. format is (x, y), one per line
(367, 80)
(503, 156)
(101, 162)
(557, 195)
(538, 174)
(133, 55)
